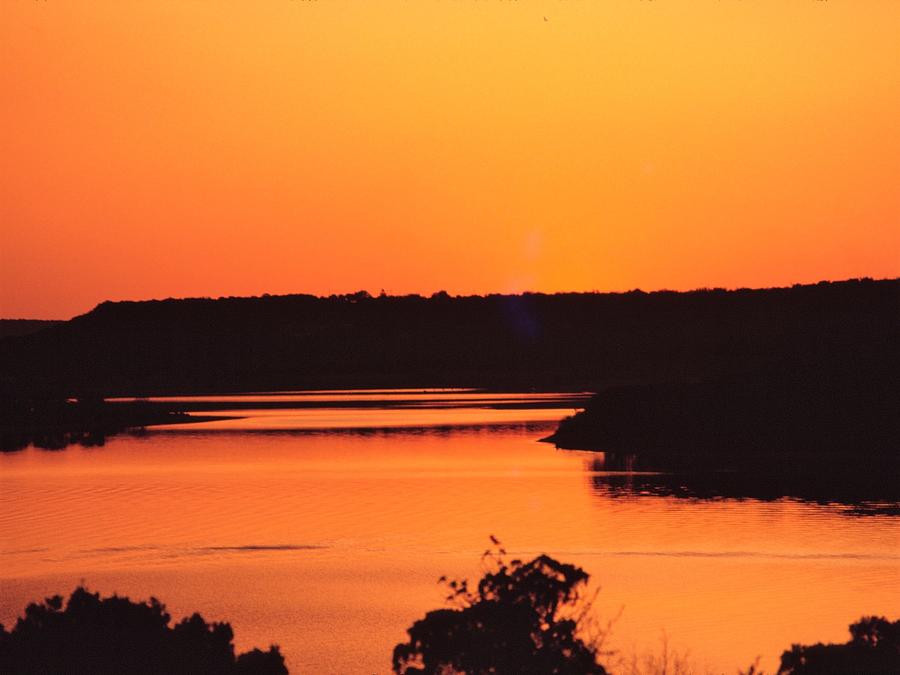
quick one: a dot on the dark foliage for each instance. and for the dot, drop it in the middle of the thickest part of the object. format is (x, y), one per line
(583, 341)
(523, 618)
(96, 636)
(873, 649)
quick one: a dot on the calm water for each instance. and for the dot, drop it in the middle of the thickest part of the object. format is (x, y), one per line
(324, 529)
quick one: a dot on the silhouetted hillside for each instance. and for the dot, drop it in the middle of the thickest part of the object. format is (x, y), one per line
(522, 341)
(12, 327)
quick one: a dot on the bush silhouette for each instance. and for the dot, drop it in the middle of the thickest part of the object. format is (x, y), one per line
(874, 649)
(94, 635)
(523, 618)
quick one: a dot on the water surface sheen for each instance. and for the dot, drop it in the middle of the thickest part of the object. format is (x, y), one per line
(324, 529)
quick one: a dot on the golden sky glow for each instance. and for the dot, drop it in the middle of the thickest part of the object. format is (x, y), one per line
(154, 149)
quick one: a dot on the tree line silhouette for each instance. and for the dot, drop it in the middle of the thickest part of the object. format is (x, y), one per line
(583, 341)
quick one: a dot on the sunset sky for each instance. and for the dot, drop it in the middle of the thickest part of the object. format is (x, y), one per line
(156, 149)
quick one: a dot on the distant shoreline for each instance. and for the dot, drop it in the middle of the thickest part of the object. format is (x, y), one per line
(55, 424)
(52, 423)
(526, 342)
(744, 420)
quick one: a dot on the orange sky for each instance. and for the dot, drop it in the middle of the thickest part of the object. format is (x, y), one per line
(154, 149)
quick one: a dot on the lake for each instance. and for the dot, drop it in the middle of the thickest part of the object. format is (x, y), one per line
(321, 521)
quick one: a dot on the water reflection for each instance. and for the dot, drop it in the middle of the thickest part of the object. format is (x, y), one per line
(859, 486)
(351, 528)
(54, 424)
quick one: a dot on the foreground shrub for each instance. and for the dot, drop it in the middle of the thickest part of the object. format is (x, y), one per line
(523, 618)
(874, 649)
(96, 636)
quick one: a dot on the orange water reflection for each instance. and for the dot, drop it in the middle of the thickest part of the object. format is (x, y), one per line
(330, 544)
(277, 419)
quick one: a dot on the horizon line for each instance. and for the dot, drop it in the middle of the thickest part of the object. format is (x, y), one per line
(365, 294)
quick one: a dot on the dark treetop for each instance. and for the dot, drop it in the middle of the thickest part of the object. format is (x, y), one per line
(90, 635)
